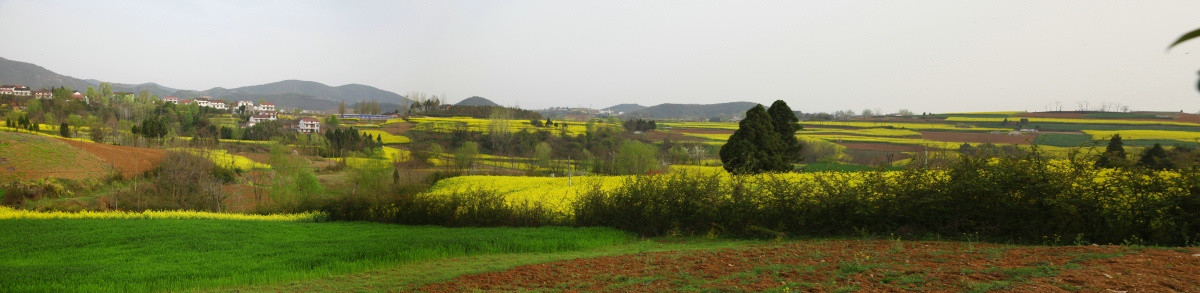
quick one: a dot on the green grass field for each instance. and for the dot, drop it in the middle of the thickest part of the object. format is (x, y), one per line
(57, 255)
(1064, 139)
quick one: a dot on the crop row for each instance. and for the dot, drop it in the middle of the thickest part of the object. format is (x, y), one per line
(7, 213)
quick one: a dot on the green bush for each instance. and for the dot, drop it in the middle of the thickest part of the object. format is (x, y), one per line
(1001, 197)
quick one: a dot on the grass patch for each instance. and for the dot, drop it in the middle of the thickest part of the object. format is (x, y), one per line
(168, 255)
(410, 276)
(1064, 140)
(978, 287)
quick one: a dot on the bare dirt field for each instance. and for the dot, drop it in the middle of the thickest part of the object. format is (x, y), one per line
(131, 161)
(867, 265)
(953, 136)
(397, 128)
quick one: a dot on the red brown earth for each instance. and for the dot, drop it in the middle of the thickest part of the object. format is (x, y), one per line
(397, 128)
(872, 266)
(131, 161)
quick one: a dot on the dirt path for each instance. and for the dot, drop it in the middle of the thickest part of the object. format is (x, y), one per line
(871, 265)
(130, 160)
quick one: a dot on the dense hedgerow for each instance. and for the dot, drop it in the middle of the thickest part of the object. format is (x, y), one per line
(1022, 198)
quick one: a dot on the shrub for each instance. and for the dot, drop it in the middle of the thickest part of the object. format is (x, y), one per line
(998, 196)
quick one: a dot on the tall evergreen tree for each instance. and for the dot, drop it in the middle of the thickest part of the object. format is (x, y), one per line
(1114, 154)
(755, 147)
(1156, 158)
(784, 122)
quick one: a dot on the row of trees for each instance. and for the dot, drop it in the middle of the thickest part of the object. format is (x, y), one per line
(633, 125)
(1156, 157)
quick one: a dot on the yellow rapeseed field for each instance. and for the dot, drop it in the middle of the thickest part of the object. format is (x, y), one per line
(225, 159)
(1074, 121)
(861, 132)
(388, 138)
(1188, 136)
(901, 125)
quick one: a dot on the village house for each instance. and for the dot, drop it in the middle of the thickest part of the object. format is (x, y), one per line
(309, 125)
(7, 89)
(185, 102)
(265, 106)
(248, 104)
(202, 102)
(43, 94)
(261, 117)
(170, 100)
(218, 104)
(22, 91)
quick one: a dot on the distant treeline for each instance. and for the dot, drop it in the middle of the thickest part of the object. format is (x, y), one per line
(482, 112)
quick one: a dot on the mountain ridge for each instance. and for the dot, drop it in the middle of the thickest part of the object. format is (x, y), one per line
(290, 93)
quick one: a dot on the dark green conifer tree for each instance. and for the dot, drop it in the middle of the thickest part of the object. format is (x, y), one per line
(784, 121)
(1156, 158)
(1114, 154)
(755, 147)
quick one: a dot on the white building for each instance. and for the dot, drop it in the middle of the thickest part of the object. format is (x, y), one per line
(170, 99)
(248, 104)
(260, 118)
(265, 106)
(22, 91)
(219, 105)
(309, 125)
(202, 102)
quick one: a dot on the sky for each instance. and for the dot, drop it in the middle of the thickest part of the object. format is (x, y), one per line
(819, 56)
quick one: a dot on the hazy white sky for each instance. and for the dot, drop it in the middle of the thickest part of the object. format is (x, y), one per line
(926, 56)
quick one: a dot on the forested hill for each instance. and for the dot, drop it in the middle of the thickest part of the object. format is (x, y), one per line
(693, 111)
(285, 94)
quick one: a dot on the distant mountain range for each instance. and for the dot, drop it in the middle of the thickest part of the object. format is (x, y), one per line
(476, 101)
(285, 94)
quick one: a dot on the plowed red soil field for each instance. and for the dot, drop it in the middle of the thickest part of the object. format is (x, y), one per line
(397, 128)
(870, 266)
(131, 161)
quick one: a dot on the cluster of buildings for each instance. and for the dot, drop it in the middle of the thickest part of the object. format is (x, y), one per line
(24, 91)
(222, 105)
(262, 112)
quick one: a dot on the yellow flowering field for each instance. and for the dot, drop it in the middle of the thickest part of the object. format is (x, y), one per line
(449, 124)
(388, 138)
(1073, 121)
(861, 131)
(1008, 113)
(555, 193)
(900, 125)
(704, 125)
(225, 159)
(1188, 136)
(7, 213)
